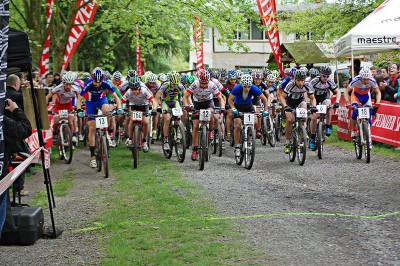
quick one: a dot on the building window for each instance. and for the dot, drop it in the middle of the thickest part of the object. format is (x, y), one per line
(256, 33)
(206, 32)
(251, 31)
(306, 37)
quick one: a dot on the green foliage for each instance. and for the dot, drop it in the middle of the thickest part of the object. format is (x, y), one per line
(384, 59)
(322, 21)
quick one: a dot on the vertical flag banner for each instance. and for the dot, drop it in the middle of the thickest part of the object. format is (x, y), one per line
(139, 68)
(83, 16)
(197, 37)
(267, 9)
(44, 64)
(4, 17)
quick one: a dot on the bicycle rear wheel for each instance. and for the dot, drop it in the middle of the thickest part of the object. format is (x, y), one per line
(250, 148)
(67, 143)
(367, 141)
(202, 152)
(320, 139)
(180, 142)
(301, 144)
(135, 148)
(104, 156)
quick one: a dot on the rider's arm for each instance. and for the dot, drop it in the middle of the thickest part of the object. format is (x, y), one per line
(346, 95)
(117, 99)
(79, 102)
(186, 97)
(231, 101)
(221, 100)
(338, 95)
(282, 96)
(48, 96)
(265, 101)
(313, 100)
(267, 96)
(378, 95)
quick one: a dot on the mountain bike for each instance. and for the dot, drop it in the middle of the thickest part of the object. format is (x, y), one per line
(218, 139)
(363, 140)
(321, 129)
(64, 137)
(176, 135)
(267, 130)
(247, 140)
(298, 137)
(136, 135)
(101, 143)
(204, 120)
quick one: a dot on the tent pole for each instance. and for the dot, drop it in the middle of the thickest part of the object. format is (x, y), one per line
(352, 63)
(337, 74)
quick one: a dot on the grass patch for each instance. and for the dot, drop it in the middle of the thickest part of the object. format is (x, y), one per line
(157, 217)
(60, 188)
(379, 148)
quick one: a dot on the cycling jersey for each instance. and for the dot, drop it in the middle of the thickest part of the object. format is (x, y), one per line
(295, 93)
(245, 98)
(170, 94)
(284, 82)
(323, 88)
(153, 88)
(96, 94)
(142, 98)
(110, 98)
(202, 95)
(64, 96)
(262, 87)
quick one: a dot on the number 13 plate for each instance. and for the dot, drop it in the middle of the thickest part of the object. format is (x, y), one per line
(101, 122)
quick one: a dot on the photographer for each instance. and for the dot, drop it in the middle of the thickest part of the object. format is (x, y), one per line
(16, 127)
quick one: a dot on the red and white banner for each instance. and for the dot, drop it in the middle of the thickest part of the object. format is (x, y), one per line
(82, 18)
(267, 9)
(385, 124)
(33, 140)
(44, 64)
(198, 37)
(139, 68)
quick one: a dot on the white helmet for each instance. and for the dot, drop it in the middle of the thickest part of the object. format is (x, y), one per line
(247, 80)
(69, 77)
(271, 77)
(151, 77)
(365, 73)
(304, 69)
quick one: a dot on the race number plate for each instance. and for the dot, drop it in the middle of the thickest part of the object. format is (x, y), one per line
(248, 119)
(63, 114)
(321, 109)
(301, 113)
(137, 116)
(205, 115)
(363, 113)
(176, 111)
(101, 122)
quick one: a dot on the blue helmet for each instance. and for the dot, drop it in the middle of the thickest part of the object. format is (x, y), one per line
(232, 74)
(97, 75)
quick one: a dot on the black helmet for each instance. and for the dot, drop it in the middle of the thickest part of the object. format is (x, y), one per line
(300, 74)
(325, 70)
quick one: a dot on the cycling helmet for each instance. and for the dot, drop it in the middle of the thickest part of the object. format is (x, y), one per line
(69, 77)
(162, 78)
(184, 78)
(271, 77)
(107, 75)
(299, 74)
(365, 73)
(151, 78)
(223, 73)
(216, 74)
(305, 69)
(287, 71)
(134, 83)
(239, 74)
(325, 70)
(117, 75)
(231, 74)
(276, 73)
(314, 72)
(247, 80)
(175, 78)
(208, 70)
(190, 79)
(131, 73)
(266, 72)
(203, 75)
(257, 75)
(292, 71)
(97, 75)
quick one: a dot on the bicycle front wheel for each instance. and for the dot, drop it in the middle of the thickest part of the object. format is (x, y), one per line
(250, 148)
(301, 144)
(367, 141)
(99, 151)
(202, 150)
(239, 160)
(135, 149)
(104, 156)
(180, 142)
(320, 139)
(220, 138)
(270, 131)
(277, 125)
(293, 145)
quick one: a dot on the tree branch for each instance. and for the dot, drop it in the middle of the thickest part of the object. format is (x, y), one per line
(118, 43)
(20, 13)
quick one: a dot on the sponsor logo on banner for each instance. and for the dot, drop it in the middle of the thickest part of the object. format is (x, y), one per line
(197, 37)
(33, 140)
(377, 40)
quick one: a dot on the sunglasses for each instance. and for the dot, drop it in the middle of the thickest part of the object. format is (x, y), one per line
(324, 76)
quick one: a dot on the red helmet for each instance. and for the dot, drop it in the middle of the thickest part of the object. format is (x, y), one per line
(204, 76)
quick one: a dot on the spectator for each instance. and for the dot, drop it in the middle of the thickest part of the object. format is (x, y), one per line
(391, 87)
(13, 90)
(385, 73)
(57, 79)
(374, 71)
(15, 129)
(379, 80)
(47, 84)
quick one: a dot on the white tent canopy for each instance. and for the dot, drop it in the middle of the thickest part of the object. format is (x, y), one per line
(378, 32)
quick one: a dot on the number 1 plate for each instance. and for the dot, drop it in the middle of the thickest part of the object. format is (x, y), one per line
(101, 122)
(205, 115)
(248, 119)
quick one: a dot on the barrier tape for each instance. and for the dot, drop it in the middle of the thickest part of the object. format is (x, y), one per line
(7, 181)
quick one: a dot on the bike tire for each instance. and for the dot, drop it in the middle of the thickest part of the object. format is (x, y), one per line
(263, 131)
(293, 146)
(104, 156)
(250, 150)
(320, 140)
(99, 151)
(301, 145)
(202, 147)
(135, 149)
(278, 124)
(239, 160)
(67, 148)
(188, 131)
(367, 144)
(220, 141)
(180, 144)
(270, 132)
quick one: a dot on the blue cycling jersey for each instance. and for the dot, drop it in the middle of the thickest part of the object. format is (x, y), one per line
(245, 98)
(284, 82)
(95, 94)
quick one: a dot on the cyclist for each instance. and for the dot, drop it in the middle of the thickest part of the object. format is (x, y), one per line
(240, 100)
(313, 73)
(96, 88)
(139, 97)
(293, 97)
(258, 82)
(111, 102)
(361, 87)
(152, 84)
(168, 95)
(202, 90)
(323, 85)
(62, 97)
(229, 85)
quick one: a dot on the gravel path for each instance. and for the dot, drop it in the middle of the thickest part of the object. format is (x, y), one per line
(291, 213)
